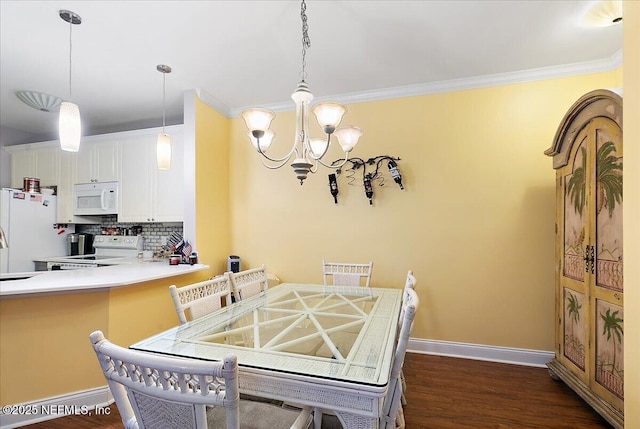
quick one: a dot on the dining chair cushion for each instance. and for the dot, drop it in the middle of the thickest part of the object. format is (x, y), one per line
(261, 415)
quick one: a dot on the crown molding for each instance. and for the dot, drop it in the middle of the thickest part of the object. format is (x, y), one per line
(553, 72)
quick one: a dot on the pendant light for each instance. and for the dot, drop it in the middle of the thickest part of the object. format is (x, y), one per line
(69, 126)
(163, 146)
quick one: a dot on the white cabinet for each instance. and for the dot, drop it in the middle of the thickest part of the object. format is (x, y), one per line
(65, 187)
(97, 162)
(146, 193)
(34, 161)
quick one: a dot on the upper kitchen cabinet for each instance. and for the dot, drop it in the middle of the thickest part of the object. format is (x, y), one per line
(97, 161)
(146, 193)
(34, 161)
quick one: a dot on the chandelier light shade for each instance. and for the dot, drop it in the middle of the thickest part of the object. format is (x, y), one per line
(348, 137)
(306, 151)
(163, 146)
(69, 126)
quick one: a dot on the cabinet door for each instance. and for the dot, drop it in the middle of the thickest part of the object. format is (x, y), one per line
(168, 205)
(97, 162)
(65, 187)
(22, 165)
(106, 162)
(135, 182)
(606, 304)
(84, 164)
(46, 163)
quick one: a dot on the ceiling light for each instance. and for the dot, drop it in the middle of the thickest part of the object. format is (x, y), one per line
(163, 146)
(604, 14)
(39, 100)
(69, 125)
(308, 152)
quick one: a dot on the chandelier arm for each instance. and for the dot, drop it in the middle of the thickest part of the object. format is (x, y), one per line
(334, 163)
(274, 167)
(283, 159)
(315, 166)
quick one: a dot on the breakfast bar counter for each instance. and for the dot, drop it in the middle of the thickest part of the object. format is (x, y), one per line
(45, 322)
(130, 271)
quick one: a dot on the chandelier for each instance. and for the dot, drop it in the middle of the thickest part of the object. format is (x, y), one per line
(308, 151)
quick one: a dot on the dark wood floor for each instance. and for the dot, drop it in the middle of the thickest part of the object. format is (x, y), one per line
(445, 392)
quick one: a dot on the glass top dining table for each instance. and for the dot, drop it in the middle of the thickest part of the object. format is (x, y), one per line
(333, 333)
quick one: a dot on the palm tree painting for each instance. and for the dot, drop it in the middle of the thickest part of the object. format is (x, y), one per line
(573, 347)
(577, 185)
(610, 356)
(574, 220)
(609, 221)
(608, 178)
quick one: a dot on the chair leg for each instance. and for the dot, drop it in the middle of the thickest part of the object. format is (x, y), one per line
(399, 423)
(403, 399)
(317, 418)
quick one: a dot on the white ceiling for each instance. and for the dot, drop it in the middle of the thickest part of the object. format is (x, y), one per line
(248, 53)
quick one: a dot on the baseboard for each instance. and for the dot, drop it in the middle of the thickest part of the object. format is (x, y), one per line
(87, 402)
(511, 355)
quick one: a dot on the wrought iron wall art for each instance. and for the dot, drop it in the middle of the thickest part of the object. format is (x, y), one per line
(372, 173)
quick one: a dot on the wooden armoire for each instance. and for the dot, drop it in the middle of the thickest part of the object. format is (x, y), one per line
(587, 157)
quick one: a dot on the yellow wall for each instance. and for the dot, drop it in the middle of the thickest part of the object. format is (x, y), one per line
(45, 345)
(212, 187)
(475, 222)
(632, 213)
(44, 340)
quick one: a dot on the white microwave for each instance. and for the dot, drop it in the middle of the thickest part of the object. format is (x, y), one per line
(90, 199)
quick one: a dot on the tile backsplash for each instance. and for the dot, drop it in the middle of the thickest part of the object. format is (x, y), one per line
(155, 234)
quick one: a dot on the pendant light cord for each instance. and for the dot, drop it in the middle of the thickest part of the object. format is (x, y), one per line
(164, 89)
(70, 50)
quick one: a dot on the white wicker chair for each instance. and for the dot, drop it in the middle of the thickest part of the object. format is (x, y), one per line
(393, 415)
(410, 283)
(200, 298)
(343, 274)
(162, 392)
(248, 283)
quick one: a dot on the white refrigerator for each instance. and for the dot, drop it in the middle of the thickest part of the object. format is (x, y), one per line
(29, 223)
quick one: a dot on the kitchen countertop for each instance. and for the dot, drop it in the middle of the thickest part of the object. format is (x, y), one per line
(129, 271)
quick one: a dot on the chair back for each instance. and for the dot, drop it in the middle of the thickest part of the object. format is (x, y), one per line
(162, 392)
(248, 283)
(409, 284)
(200, 298)
(394, 392)
(343, 274)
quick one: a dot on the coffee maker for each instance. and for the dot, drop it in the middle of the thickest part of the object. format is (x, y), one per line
(79, 243)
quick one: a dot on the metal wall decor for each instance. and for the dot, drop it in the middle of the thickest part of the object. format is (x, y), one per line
(372, 173)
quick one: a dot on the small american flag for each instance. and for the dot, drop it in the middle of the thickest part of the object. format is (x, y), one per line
(186, 249)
